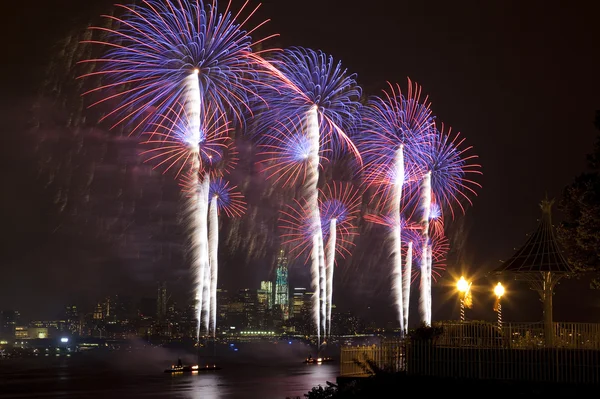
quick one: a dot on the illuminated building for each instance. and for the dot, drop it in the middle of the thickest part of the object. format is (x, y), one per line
(8, 320)
(248, 298)
(282, 293)
(161, 301)
(21, 332)
(236, 316)
(302, 310)
(223, 301)
(264, 299)
(98, 313)
(298, 300)
(37, 333)
(71, 312)
(266, 288)
(72, 319)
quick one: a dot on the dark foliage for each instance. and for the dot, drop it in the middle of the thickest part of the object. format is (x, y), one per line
(580, 231)
(426, 333)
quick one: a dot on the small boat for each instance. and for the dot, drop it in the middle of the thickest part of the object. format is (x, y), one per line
(318, 360)
(191, 369)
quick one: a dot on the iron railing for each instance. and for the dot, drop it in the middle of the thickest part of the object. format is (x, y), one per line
(358, 361)
(519, 335)
(517, 351)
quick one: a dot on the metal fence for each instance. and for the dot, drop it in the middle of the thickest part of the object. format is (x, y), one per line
(517, 351)
(360, 361)
(519, 335)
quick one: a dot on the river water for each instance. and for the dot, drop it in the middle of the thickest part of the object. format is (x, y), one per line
(250, 373)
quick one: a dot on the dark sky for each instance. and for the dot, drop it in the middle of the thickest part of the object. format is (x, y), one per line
(518, 79)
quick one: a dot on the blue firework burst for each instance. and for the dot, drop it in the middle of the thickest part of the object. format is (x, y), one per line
(313, 80)
(229, 200)
(337, 201)
(391, 122)
(450, 164)
(158, 45)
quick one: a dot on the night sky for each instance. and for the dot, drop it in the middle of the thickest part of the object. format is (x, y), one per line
(82, 219)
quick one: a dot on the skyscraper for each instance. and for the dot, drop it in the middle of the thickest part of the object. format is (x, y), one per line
(266, 288)
(161, 301)
(282, 293)
(298, 302)
(72, 319)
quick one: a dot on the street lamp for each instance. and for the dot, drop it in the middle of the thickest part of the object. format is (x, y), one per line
(499, 291)
(464, 288)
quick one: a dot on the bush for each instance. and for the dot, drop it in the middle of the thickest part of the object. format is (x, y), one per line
(426, 333)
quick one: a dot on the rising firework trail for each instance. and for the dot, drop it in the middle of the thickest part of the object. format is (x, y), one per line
(196, 165)
(406, 282)
(395, 129)
(425, 286)
(411, 238)
(339, 205)
(225, 199)
(437, 252)
(445, 185)
(308, 116)
(170, 60)
(317, 253)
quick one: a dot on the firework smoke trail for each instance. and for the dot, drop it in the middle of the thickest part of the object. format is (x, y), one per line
(326, 99)
(397, 236)
(393, 139)
(173, 57)
(223, 198)
(193, 107)
(329, 271)
(202, 232)
(213, 249)
(406, 281)
(411, 237)
(436, 253)
(446, 184)
(339, 206)
(198, 214)
(197, 205)
(312, 197)
(429, 277)
(425, 204)
(206, 293)
(194, 215)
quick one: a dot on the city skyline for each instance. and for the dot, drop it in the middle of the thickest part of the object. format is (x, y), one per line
(250, 311)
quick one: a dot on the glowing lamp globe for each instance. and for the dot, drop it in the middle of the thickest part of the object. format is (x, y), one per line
(499, 290)
(462, 285)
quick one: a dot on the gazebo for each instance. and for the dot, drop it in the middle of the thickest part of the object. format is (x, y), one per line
(540, 262)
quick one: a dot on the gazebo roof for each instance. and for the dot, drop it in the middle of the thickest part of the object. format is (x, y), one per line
(541, 252)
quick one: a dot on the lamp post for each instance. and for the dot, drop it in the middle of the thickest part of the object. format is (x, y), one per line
(464, 288)
(499, 291)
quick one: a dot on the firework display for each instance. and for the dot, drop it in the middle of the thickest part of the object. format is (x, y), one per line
(184, 76)
(418, 172)
(339, 206)
(181, 72)
(305, 124)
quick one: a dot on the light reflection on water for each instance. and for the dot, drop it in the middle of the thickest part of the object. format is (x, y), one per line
(275, 381)
(84, 378)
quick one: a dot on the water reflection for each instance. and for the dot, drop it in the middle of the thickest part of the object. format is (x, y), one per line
(254, 381)
(139, 377)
